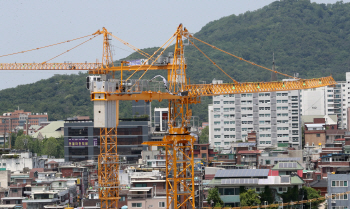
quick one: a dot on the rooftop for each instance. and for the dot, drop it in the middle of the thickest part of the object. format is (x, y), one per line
(236, 173)
(249, 152)
(287, 166)
(50, 130)
(270, 180)
(319, 183)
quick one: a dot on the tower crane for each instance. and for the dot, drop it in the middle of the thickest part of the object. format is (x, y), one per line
(106, 91)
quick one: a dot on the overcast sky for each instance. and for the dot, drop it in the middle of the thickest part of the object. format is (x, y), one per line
(31, 24)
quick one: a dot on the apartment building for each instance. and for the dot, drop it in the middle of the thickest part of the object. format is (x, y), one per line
(274, 116)
(329, 100)
(11, 120)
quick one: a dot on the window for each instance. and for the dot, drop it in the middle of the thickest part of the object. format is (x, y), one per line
(216, 122)
(226, 143)
(339, 197)
(282, 189)
(217, 136)
(229, 191)
(204, 155)
(258, 189)
(216, 109)
(217, 143)
(141, 185)
(4, 164)
(226, 109)
(216, 102)
(216, 129)
(161, 204)
(136, 205)
(216, 116)
(122, 199)
(339, 183)
(267, 162)
(225, 102)
(226, 122)
(232, 129)
(226, 129)
(203, 148)
(318, 135)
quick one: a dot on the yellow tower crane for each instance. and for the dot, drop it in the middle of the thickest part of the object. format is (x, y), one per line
(106, 92)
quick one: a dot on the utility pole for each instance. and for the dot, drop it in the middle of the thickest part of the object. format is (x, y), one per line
(4, 134)
(10, 134)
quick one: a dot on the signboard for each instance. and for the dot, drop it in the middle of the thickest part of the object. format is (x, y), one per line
(73, 142)
(136, 62)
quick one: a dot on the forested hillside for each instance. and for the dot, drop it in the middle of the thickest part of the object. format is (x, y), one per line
(307, 38)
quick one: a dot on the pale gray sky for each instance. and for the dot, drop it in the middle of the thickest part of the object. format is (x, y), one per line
(31, 24)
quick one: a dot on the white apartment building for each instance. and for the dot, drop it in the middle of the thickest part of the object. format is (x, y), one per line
(275, 116)
(329, 100)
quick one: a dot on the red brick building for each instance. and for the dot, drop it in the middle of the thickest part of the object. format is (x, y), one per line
(19, 118)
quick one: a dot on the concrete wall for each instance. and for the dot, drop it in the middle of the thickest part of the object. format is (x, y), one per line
(313, 140)
(16, 164)
(5, 177)
(148, 203)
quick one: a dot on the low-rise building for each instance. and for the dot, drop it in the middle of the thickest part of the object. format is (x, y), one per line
(229, 183)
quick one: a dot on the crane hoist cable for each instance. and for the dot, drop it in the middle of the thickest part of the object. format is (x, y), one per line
(240, 58)
(145, 54)
(159, 55)
(170, 39)
(71, 49)
(48, 45)
(213, 62)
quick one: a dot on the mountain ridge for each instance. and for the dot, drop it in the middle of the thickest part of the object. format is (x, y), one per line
(306, 38)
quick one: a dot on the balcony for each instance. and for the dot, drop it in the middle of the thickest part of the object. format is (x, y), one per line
(139, 196)
(248, 160)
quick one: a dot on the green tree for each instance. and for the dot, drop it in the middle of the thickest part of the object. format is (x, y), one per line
(35, 146)
(249, 198)
(213, 196)
(13, 139)
(311, 193)
(22, 142)
(20, 132)
(50, 147)
(292, 194)
(204, 137)
(267, 195)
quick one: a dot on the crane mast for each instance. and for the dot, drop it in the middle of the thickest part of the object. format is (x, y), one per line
(106, 91)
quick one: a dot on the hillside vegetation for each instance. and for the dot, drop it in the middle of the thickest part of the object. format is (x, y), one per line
(307, 38)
